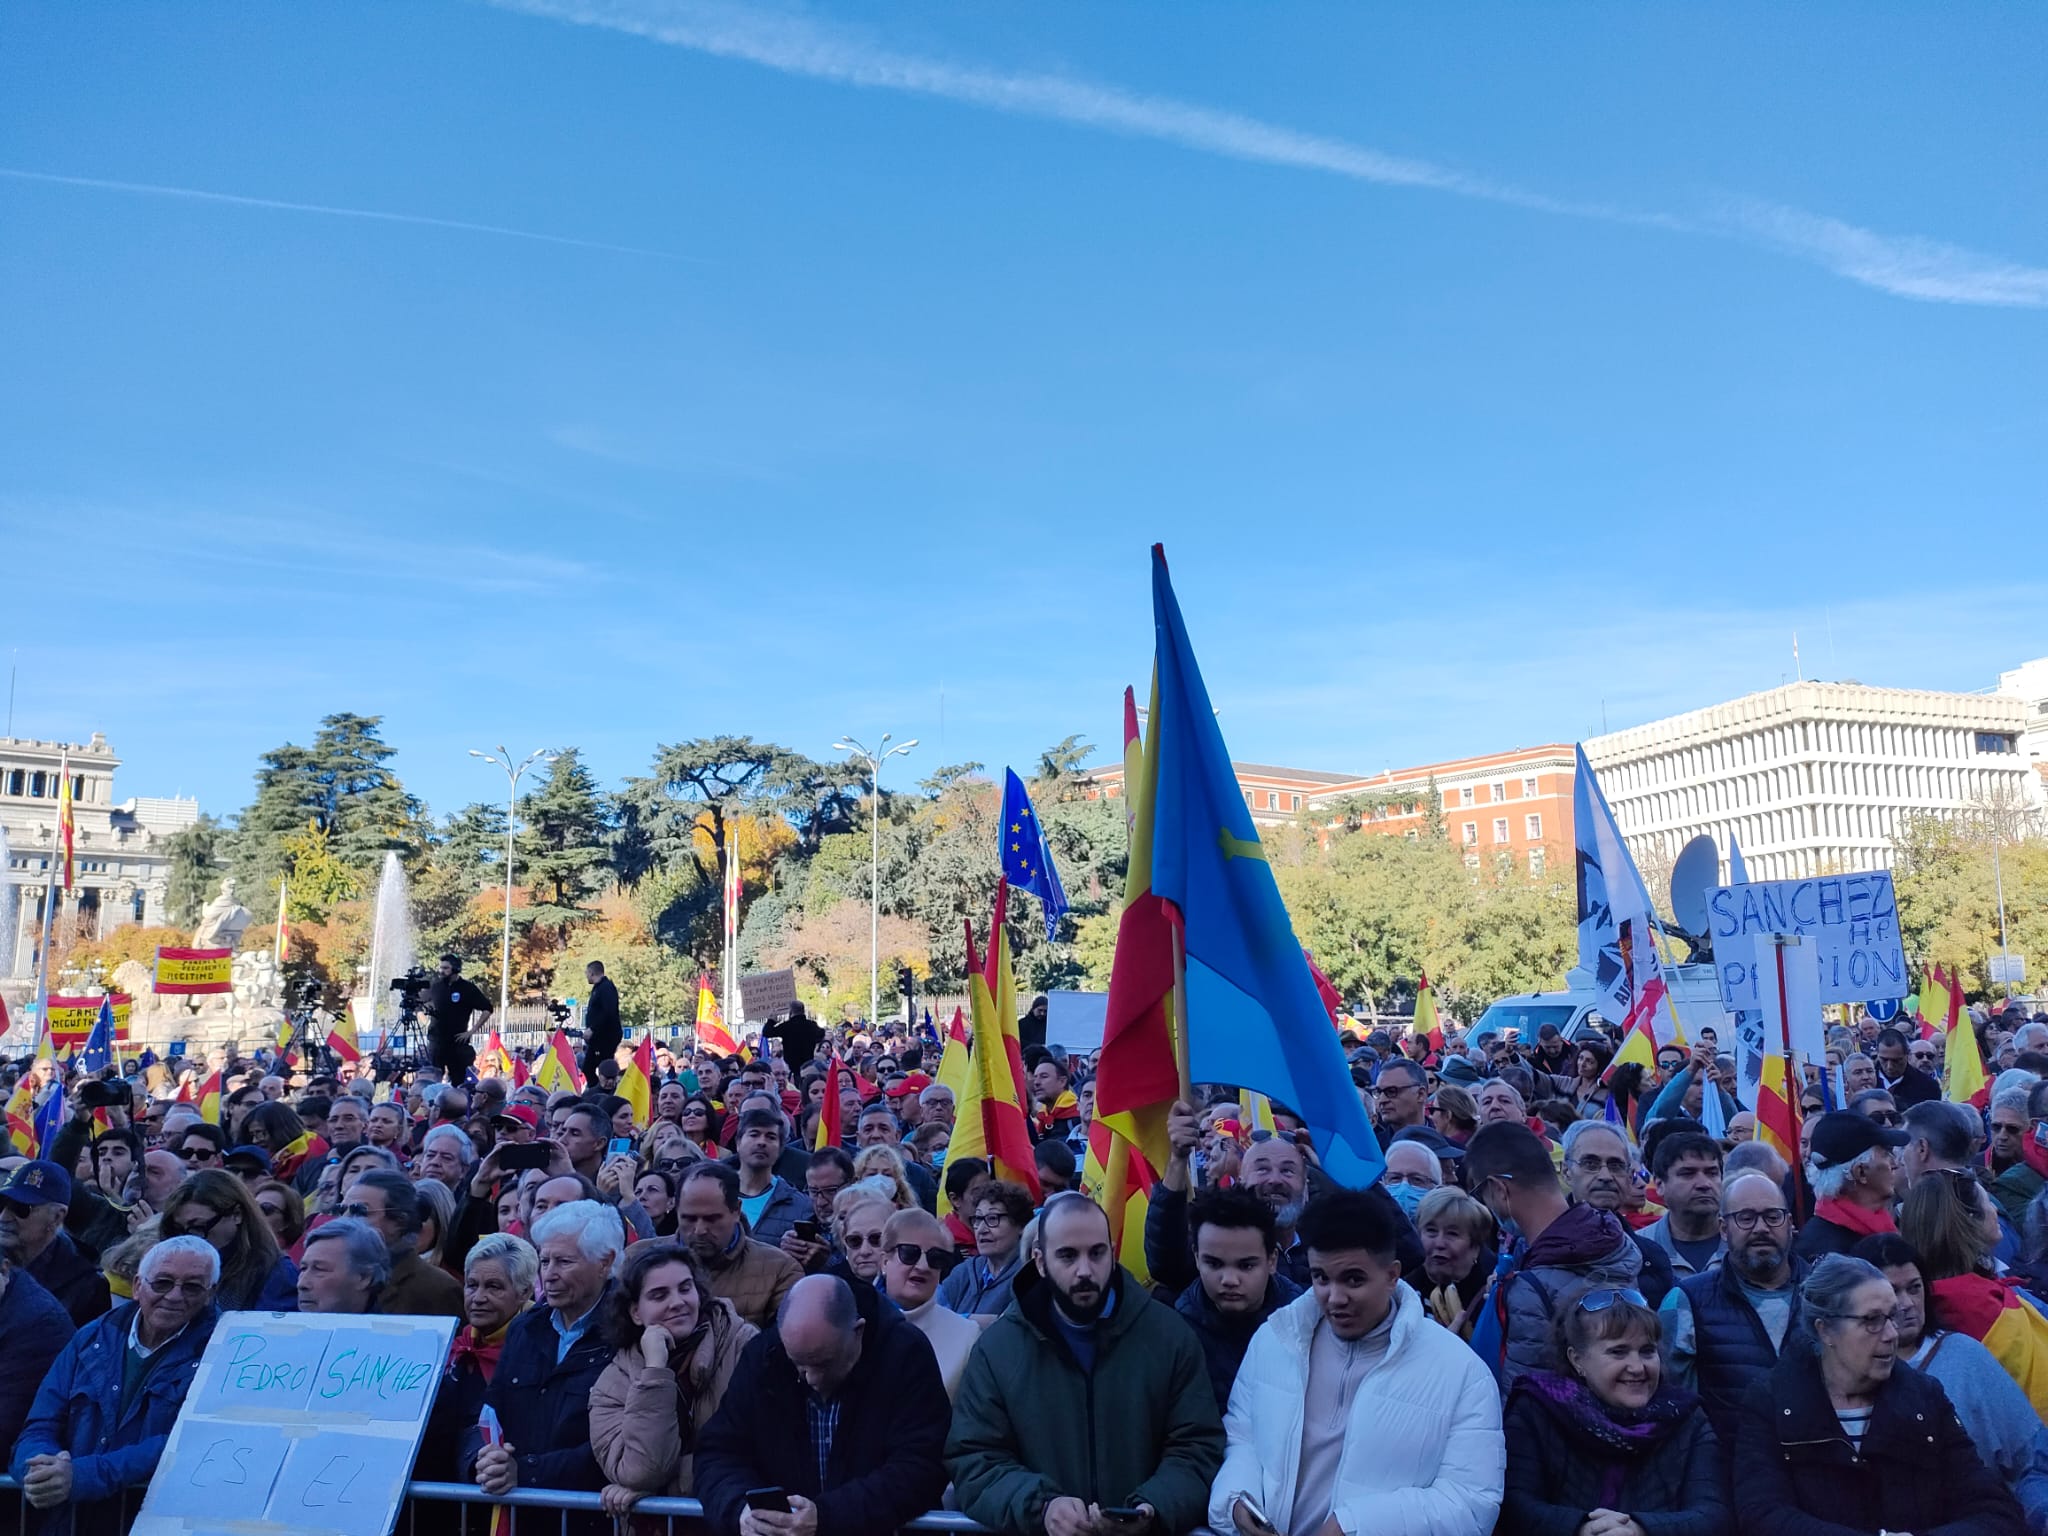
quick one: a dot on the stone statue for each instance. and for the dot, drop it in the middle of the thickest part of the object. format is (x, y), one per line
(221, 924)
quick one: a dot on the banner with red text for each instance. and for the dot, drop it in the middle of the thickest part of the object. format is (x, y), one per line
(189, 972)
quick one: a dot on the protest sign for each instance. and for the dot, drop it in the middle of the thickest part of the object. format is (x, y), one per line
(190, 972)
(1853, 921)
(72, 1019)
(767, 995)
(298, 1423)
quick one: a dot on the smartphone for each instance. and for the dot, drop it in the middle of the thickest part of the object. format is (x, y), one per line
(772, 1500)
(1125, 1516)
(1251, 1508)
(807, 1232)
(621, 1146)
(519, 1158)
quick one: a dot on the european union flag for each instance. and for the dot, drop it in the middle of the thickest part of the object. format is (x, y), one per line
(50, 1120)
(98, 1054)
(1027, 862)
(1254, 1016)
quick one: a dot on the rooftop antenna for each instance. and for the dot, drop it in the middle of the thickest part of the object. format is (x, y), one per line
(1795, 657)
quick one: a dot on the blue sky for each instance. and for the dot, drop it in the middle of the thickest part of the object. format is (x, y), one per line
(1482, 370)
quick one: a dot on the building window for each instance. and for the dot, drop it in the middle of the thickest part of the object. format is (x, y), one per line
(35, 786)
(1500, 829)
(1297, 802)
(1465, 795)
(1471, 834)
(1528, 789)
(1535, 861)
(1532, 827)
(17, 782)
(1500, 791)
(1992, 741)
(1272, 800)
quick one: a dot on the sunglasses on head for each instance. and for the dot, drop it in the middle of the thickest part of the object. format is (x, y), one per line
(1608, 1296)
(940, 1259)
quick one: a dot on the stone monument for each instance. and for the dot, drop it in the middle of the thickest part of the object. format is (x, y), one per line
(222, 923)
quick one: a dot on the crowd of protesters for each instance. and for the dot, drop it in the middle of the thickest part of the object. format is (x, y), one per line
(1569, 1308)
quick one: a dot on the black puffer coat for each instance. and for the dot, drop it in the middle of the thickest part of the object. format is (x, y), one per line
(1559, 1467)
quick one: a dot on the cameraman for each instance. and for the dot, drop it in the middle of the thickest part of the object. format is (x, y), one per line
(455, 1005)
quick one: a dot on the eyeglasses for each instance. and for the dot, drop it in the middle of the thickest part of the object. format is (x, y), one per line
(1884, 1117)
(1748, 1221)
(357, 1209)
(695, 1109)
(940, 1259)
(1592, 1163)
(163, 1285)
(988, 1219)
(205, 1228)
(1608, 1296)
(863, 1240)
(199, 1154)
(1872, 1323)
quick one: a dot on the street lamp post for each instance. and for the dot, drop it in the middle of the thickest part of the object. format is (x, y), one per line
(861, 754)
(513, 772)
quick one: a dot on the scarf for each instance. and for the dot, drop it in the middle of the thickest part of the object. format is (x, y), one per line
(1861, 1220)
(1065, 1107)
(306, 1147)
(482, 1351)
(1571, 1403)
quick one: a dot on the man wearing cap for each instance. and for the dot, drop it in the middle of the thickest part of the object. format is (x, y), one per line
(249, 1164)
(1850, 1162)
(33, 1205)
(516, 1125)
(902, 1095)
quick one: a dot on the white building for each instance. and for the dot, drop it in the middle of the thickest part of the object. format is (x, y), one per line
(1812, 777)
(121, 871)
(2028, 682)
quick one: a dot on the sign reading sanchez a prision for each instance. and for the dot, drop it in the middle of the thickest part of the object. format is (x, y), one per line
(1853, 920)
(298, 1423)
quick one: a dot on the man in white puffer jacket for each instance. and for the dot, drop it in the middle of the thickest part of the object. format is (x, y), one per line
(1355, 1413)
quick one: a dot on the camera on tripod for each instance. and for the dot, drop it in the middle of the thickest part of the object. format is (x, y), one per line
(412, 995)
(557, 1010)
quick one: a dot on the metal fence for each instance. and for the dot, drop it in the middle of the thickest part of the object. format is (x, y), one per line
(539, 1511)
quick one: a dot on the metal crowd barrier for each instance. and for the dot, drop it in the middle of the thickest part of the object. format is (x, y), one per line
(551, 1506)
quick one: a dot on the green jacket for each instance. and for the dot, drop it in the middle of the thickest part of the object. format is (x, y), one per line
(1030, 1426)
(2015, 1189)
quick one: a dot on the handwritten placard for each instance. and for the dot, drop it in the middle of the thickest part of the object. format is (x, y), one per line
(1852, 920)
(297, 1423)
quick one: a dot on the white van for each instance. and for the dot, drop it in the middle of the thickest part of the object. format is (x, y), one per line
(1696, 993)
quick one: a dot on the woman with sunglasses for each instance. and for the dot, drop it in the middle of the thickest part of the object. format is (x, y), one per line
(284, 1211)
(858, 1217)
(2001, 1422)
(218, 1208)
(1837, 1438)
(918, 1255)
(984, 1286)
(1604, 1447)
(1951, 1221)
(702, 1124)
(677, 1345)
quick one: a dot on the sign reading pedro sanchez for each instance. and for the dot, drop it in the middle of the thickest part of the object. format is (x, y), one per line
(298, 1423)
(1853, 919)
(189, 972)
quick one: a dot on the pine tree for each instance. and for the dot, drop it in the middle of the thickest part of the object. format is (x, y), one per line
(563, 846)
(195, 855)
(339, 786)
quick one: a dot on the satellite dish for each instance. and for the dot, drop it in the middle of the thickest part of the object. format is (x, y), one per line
(1696, 872)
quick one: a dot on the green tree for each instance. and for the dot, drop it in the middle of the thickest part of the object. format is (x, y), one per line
(342, 786)
(195, 854)
(465, 858)
(564, 851)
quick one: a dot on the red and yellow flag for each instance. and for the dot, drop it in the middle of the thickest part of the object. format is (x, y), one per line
(21, 1120)
(558, 1072)
(1141, 1069)
(495, 1061)
(831, 1117)
(1777, 1109)
(712, 1035)
(1936, 993)
(1116, 1177)
(1964, 1079)
(67, 820)
(992, 1121)
(953, 1063)
(208, 1097)
(1427, 1024)
(636, 1083)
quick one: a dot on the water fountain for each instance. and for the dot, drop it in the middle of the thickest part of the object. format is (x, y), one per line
(392, 940)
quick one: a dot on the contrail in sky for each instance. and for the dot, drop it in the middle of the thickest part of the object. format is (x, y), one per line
(1905, 265)
(194, 194)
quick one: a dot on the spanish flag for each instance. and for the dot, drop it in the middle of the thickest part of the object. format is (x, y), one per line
(209, 1098)
(558, 1070)
(1427, 1024)
(831, 1121)
(1936, 994)
(952, 1072)
(636, 1083)
(495, 1061)
(67, 821)
(712, 1035)
(1962, 1060)
(1116, 1177)
(1777, 1110)
(21, 1120)
(1992, 1313)
(991, 1121)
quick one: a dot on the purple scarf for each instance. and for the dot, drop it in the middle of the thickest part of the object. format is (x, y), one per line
(1572, 1404)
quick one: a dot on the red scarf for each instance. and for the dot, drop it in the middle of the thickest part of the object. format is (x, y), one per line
(484, 1351)
(962, 1235)
(1859, 1219)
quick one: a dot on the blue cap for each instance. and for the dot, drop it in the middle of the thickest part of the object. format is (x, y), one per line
(39, 1183)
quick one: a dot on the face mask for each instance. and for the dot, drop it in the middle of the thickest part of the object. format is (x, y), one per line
(1408, 1197)
(938, 1159)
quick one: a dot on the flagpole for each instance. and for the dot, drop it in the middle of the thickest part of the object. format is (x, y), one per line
(49, 911)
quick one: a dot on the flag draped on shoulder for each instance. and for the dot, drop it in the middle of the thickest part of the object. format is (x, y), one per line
(991, 1121)
(1252, 1013)
(712, 1035)
(636, 1083)
(1026, 859)
(558, 1072)
(1617, 924)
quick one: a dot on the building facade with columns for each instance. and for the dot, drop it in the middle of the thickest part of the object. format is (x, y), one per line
(1813, 777)
(121, 868)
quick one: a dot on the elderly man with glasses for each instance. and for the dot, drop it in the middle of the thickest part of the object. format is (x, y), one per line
(1725, 1329)
(105, 1410)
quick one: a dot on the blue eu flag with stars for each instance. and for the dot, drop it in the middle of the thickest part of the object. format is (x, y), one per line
(1027, 862)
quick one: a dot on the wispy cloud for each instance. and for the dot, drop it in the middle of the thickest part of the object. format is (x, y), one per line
(194, 194)
(1904, 265)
